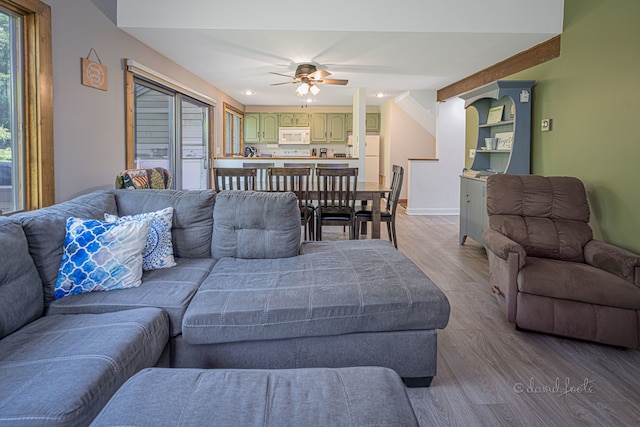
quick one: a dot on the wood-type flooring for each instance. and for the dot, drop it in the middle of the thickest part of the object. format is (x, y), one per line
(489, 373)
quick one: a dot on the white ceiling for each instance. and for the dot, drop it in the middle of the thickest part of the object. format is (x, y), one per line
(386, 47)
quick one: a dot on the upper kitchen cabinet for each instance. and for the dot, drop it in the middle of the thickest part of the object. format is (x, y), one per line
(504, 117)
(330, 127)
(372, 121)
(261, 127)
(294, 119)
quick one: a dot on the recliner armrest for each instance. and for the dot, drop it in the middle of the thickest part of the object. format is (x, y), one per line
(614, 259)
(501, 245)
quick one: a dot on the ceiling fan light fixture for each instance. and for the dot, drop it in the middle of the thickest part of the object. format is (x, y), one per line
(303, 89)
(314, 90)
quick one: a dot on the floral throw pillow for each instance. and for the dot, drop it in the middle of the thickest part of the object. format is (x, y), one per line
(101, 256)
(158, 251)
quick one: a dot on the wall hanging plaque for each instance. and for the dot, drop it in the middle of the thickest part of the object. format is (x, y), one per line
(94, 74)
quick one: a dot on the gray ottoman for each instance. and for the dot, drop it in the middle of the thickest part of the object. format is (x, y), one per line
(365, 396)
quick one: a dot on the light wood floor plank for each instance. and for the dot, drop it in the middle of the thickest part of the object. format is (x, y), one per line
(483, 360)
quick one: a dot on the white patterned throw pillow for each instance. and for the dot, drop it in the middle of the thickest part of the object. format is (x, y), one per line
(101, 256)
(158, 251)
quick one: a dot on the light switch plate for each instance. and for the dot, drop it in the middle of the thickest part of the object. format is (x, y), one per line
(545, 125)
(472, 153)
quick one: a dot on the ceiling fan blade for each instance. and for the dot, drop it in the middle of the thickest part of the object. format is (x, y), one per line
(319, 74)
(333, 81)
(284, 83)
(283, 75)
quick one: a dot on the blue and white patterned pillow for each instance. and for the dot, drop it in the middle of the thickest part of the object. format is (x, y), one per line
(101, 256)
(158, 252)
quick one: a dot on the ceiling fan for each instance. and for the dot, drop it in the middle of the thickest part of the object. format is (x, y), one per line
(309, 77)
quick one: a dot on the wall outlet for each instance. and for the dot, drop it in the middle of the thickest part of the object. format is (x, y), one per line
(472, 153)
(545, 125)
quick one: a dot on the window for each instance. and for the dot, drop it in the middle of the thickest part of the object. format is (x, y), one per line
(26, 104)
(168, 128)
(233, 130)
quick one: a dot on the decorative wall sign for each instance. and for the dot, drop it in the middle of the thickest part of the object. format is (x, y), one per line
(94, 74)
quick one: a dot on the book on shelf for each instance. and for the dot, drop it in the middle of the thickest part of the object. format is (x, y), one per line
(495, 115)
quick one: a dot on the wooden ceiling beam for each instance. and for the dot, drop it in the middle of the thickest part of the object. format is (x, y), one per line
(538, 54)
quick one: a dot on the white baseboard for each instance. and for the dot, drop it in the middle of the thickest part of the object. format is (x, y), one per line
(433, 211)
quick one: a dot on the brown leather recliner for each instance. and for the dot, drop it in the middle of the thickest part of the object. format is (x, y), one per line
(549, 272)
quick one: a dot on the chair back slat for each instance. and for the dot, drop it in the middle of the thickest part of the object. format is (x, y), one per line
(234, 179)
(396, 186)
(337, 188)
(261, 173)
(295, 180)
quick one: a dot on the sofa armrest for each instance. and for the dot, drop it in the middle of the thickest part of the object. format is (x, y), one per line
(614, 259)
(502, 246)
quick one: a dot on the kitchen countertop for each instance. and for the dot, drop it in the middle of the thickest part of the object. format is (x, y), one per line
(286, 158)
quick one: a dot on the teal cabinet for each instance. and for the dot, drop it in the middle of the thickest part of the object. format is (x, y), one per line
(504, 115)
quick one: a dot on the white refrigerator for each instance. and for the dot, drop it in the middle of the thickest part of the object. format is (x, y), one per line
(372, 156)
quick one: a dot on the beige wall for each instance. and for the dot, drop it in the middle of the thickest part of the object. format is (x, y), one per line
(89, 128)
(402, 138)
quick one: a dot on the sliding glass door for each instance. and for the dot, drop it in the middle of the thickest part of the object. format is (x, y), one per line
(194, 159)
(12, 188)
(171, 131)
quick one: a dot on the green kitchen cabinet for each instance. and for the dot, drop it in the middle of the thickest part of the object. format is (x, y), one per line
(293, 119)
(261, 127)
(329, 127)
(372, 121)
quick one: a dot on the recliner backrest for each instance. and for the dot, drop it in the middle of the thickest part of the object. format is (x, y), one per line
(548, 216)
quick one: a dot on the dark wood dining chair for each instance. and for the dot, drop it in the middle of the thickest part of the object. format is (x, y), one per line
(234, 179)
(333, 165)
(312, 166)
(336, 198)
(296, 180)
(389, 214)
(261, 173)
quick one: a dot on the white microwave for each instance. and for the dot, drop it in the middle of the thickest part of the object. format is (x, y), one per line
(291, 136)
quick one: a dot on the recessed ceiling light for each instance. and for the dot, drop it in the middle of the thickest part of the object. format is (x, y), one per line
(309, 100)
(248, 92)
(380, 95)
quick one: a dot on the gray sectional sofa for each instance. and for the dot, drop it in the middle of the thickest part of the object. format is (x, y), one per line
(244, 294)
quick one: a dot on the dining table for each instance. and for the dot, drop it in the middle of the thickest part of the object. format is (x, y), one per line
(366, 191)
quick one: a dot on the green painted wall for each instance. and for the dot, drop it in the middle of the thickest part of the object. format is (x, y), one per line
(591, 93)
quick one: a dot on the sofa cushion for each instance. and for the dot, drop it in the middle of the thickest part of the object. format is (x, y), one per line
(169, 288)
(61, 370)
(158, 250)
(370, 396)
(249, 224)
(192, 216)
(337, 288)
(579, 282)
(101, 256)
(45, 231)
(21, 298)
(548, 216)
